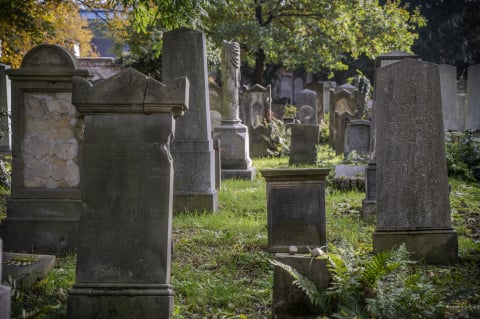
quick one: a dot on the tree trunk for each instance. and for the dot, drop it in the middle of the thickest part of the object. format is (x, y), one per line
(259, 66)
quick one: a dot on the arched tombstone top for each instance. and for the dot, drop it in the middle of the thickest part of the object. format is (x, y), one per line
(50, 55)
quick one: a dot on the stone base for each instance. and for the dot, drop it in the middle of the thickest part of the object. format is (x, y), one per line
(369, 210)
(140, 301)
(433, 246)
(41, 225)
(246, 174)
(290, 301)
(183, 201)
(37, 267)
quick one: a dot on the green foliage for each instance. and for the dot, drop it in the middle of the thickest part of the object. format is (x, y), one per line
(463, 155)
(279, 139)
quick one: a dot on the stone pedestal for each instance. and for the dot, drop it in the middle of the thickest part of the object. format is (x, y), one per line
(184, 54)
(295, 208)
(236, 162)
(289, 301)
(45, 206)
(124, 251)
(412, 189)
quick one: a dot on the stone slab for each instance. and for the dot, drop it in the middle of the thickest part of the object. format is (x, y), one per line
(41, 225)
(245, 174)
(295, 208)
(303, 145)
(26, 269)
(289, 301)
(473, 116)
(433, 246)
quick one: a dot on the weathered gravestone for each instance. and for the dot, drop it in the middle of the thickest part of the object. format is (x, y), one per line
(306, 102)
(462, 104)
(473, 91)
(123, 261)
(257, 111)
(448, 84)
(303, 144)
(234, 148)
(343, 110)
(295, 208)
(369, 203)
(215, 95)
(297, 87)
(4, 293)
(43, 213)
(5, 108)
(357, 138)
(184, 54)
(412, 185)
(322, 88)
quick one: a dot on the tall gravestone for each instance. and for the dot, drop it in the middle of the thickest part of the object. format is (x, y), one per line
(234, 148)
(448, 84)
(473, 91)
(257, 111)
(369, 203)
(306, 102)
(343, 110)
(412, 184)
(43, 213)
(5, 109)
(184, 54)
(215, 95)
(5, 292)
(123, 261)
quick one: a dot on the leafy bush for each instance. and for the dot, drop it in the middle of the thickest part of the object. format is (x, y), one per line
(463, 155)
(279, 139)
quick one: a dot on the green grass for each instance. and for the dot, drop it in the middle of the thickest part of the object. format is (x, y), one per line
(220, 269)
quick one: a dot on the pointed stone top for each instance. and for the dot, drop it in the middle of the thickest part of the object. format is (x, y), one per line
(130, 91)
(346, 88)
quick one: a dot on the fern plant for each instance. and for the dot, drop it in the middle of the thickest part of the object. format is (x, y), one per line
(382, 287)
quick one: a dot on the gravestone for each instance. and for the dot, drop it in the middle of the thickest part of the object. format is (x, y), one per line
(344, 109)
(448, 84)
(369, 203)
(306, 102)
(322, 88)
(5, 109)
(357, 138)
(123, 261)
(473, 91)
(44, 209)
(184, 54)
(234, 149)
(349, 177)
(297, 87)
(295, 208)
(412, 185)
(462, 104)
(289, 301)
(5, 291)
(303, 145)
(215, 95)
(100, 67)
(286, 87)
(257, 111)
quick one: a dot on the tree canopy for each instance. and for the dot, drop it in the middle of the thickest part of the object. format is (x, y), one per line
(26, 23)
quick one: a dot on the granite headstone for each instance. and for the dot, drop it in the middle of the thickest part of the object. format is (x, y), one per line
(412, 185)
(473, 91)
(124, 251)
(45, 206)
(303, 144)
